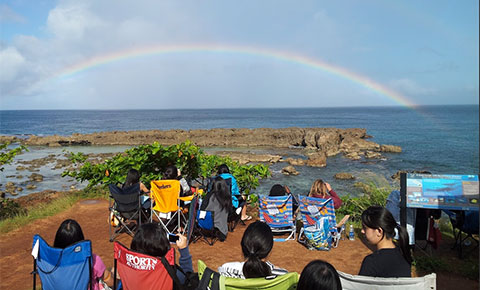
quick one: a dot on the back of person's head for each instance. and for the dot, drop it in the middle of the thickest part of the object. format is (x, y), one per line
(133, 177)
(222, 193)
(68, 234)
(223, 169)
(319, 275)
(277, 190)
(318, 188)
(171, 172)
(378, 217)
(257, 242)
(151, 239)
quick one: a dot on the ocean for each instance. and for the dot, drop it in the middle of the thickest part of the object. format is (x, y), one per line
(439, 139)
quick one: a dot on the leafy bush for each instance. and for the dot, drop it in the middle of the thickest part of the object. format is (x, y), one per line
(151, 161)
(373, 194)
(10, 208)
(7, 155)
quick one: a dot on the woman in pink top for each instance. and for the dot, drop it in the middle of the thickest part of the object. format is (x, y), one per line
(69, 233)
(323, 189)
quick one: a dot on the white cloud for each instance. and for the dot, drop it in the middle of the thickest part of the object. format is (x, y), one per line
(11, 63)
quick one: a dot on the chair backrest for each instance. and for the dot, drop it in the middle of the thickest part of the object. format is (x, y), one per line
(126, 199)
(356, 282)
(283, 282)
(139, 271)
(192, 215)
(165, 193)
(68, 268)
(277, 211)
(314, 208)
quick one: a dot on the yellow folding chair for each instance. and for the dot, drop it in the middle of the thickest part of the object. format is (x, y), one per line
(166, 205)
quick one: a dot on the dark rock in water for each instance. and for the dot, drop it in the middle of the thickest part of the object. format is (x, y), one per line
(318, 159)
(31, 186)
(19, 176)
(19, 168)
(397, 174)
(19, 189)
(290, 170)
(344, 176)
(2, 194)
(36, 177)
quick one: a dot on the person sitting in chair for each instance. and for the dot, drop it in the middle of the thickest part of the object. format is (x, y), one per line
(257, 243)
(319, 275)
(391, 259)
(224, 172)
(172, 172)
(323, 189)
(219, 201)
(279, 190)
(133, 177)
(151, 239)
(69, 233)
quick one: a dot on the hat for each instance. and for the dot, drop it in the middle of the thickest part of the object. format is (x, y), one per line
(277, 190)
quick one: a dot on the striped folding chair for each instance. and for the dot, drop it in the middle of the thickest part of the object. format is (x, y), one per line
(277, 213)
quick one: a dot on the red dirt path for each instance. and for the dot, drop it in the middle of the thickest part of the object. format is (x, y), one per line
(16, 261)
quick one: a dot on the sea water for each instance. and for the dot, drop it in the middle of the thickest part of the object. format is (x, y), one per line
(439, 139)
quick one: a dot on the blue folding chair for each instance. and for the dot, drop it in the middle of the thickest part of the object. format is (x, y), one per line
(277, 213)
(62, 269)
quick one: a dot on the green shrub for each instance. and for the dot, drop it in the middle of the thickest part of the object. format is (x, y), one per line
(373, 194)
(151, 161)
(10, 208)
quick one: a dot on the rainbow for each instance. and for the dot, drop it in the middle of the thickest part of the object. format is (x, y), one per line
(245, 50)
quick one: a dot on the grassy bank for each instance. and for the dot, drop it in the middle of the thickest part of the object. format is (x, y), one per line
(47, 209)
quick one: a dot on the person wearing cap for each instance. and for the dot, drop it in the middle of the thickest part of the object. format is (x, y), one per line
(280, 190)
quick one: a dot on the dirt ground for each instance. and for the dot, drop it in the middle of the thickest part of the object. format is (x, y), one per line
(16, 261)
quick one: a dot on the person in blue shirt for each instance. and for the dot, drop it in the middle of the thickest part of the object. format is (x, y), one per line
(237, 198)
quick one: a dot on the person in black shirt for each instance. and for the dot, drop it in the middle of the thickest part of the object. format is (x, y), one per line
(391, 259)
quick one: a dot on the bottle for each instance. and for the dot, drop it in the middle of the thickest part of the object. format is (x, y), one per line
(351, 234)
(343, 233)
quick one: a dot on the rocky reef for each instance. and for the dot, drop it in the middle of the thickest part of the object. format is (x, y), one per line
(322, 142)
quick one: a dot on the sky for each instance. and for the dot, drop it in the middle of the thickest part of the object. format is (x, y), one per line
(93, 54)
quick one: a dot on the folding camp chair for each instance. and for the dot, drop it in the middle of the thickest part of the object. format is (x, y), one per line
(139, 271)
(350, 282)
(167, 205)
(205, 229)
(277, 213)
(125, 210)
(68, 268)
(314, 209)
(464, 226)
(283, 282)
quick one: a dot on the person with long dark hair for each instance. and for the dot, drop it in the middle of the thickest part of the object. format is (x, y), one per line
(133, 178)
(257, 243)
(69, 232)
(172, 172)
(151, 239)
(391, 259)
(319, 275)
(224, 172)
(218, 201)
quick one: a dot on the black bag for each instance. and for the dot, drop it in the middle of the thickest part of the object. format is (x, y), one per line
(191, 278)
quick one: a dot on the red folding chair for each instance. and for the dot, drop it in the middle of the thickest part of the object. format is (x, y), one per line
(140, 271)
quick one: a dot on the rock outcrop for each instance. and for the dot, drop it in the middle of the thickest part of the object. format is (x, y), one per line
(323, 142)
(344, 176)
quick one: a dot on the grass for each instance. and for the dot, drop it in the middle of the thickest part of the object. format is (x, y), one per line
(50, 209)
